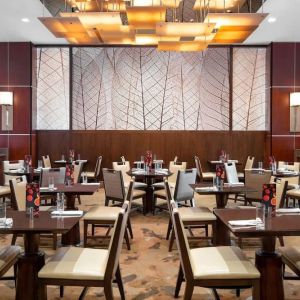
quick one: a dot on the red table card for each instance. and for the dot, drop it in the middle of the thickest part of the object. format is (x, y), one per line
(269, 196)
(33, 197)
(220, 172)
(69, 173)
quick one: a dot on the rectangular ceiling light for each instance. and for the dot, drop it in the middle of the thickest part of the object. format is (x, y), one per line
(143, 17)
(233, 34)
(219, 5)
(181, 46)
(166, 3)
(183, 29)
(117, 34)
(114, 5)
(235, 19)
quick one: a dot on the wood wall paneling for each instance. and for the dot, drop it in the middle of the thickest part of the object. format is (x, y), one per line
(3, 64)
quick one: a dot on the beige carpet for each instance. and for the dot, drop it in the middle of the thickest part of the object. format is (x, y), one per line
(149, 271)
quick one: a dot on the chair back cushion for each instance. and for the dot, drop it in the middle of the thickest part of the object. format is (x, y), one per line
(183, 191)
(58, 175)
(98, 167)
(46, 161)
(18, 189)
(124, 167)
(231, 172)
(174, 167)
(77, 170)
(113, 184)
(249, 162)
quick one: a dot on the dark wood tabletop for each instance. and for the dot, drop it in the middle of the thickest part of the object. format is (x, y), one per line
(150, 174)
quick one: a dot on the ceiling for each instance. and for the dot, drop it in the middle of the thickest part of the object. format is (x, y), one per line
(286, 27)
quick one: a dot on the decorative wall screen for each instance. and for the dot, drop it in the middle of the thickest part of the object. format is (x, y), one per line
(249, 89)
(141, 88)
(52, 73)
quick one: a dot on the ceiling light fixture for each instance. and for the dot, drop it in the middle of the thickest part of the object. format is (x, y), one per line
(25, 20)
(272, 19)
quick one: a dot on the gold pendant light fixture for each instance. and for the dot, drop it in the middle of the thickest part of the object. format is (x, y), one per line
(155, 23)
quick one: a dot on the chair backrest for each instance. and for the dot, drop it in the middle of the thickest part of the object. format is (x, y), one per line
(182, 245)
(77, 170)
(58, 175)
(255, 180)
(113, 184)
(129, 194)
(231, 173)
(98, 167)
(174, 167)
(116, 242)
(281, 188)
(291, 167)
(124, 167)
(18, 191)
(46, 161)
(183, 191)
(123, 160)
(169, 197)
(198, 167)
(249, 162)
(11, 165)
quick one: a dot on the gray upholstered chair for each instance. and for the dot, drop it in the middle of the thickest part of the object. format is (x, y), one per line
(58, 175)
(95, 176)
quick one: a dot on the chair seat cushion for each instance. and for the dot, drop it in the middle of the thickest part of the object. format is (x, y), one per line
(76, 263)
(140, 185)
(102, 213)
(158, 185)
(160, 193)
(221, 263)
(4, 190)
(196, 214)
(208, 175)
(291, 254)
(8, 255)
(293, 193)
(138, 194)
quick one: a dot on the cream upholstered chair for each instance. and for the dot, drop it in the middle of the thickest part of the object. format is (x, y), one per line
(291, 167)
(8, 257)
(11, 165)
(212, 267)
(87, 267)
(205, 176)
(18, 199)
(103, 216)
(291, 257)
(77, 170)
(248, 166)
(192, 217)
(124, 167)
(46, 161)
(115, 190)
(95, 176)
(58, 175)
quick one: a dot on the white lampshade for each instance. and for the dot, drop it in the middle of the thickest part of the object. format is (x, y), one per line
(295, 99)
(6, 98)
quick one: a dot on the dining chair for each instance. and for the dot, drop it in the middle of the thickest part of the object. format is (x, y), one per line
(114, 188)
(290, 256)
(105, 216)
(95, 176)
(18, 199)
(293, 193)
(124, 167)
(11, 165)
(88, 267)
(77, 175)
(295, 166)
(58, 175)
(248, 166)
(193, 218)
(46, 161)
(203, 176)
(212, 267)
(231, 173)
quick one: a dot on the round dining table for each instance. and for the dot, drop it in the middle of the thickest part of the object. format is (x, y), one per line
(149, 177)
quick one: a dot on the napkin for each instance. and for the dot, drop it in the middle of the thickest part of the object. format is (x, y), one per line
(234, 184)
(8, 223)
(91, 183)
(206, 188)
(47, 189)
(161, 171)
(251, 222)
(288, 210)
(75, 213)
(138, 172)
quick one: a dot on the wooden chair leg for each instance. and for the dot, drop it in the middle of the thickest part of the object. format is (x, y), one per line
(154, 203)
(172, 239)
(144, 205)
(85, 230)
(281, 241)
(169, 229)
(188, 293)
(206, 230)
(93, 229)
(54, 246)
(129, 227)
(61, 291)
(14, 239)
(180, 279)
(79, 200)
(192, 202)
(108, 292)
(256, 290)
(127, 239)
(240, 242)
(106, 201)
(120, 283)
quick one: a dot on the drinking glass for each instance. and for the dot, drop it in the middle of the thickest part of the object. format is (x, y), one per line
(78, 156)
(62, 157)
(260, 216)
(2, 214)
(260, 165)
(60, 202)
(138, 165)
(84, 178)
(51, 183)
(40, 164)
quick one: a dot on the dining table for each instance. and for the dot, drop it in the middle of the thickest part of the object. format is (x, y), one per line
(149, 177)
(33, 259)
(71, 191)
(267, 260)
(221, 193)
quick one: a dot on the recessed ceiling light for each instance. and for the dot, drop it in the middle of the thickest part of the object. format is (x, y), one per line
(271, 19)
(25, 20)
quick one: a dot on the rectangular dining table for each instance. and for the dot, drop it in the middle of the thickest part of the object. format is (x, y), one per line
(71, 191)
(32, 259)
(267, 260)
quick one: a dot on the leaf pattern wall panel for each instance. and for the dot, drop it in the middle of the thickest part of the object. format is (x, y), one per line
(52, 88)
(214, 90)
(249, 89)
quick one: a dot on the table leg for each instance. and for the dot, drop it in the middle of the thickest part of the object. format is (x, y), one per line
(221, 200)
(72, 237)
(29, 264)
(149, 196)
(269, 263)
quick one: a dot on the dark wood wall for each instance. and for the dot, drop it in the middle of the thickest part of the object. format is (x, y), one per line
(285, 70)
(15, 76)
(111, 144)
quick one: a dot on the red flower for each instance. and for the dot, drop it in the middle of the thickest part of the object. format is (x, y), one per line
(266, 198)
(29, 198)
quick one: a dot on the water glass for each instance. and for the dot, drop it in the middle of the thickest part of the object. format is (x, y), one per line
(60, 202)
(84, 178)
(62, 157)
(78, 156)
(138, 165)
(40, 164)
(51, 183)
(260, 165)
(260, 216)
(2, 214)
(216, 182)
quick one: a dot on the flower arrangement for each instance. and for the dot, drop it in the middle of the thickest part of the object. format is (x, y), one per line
(223, 156)
(71, 155)
(148, 159)
(33, 197)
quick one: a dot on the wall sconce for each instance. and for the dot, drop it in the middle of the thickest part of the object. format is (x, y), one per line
(6, 101)
(294, 110)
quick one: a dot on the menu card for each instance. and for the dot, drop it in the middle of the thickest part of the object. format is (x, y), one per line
(28, 161)
(33, 197)
(220, 172)
(269, 196)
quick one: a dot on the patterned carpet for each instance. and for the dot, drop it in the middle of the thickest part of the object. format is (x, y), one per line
(149, 271)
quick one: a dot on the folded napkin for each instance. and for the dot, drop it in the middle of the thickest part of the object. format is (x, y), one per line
(206, 188)
(75, 213)
(251, 222)
(288, 210)
(82, 160)
(38, 170)
(8, 223)
(161, 171)
(234, 184)
(13, 171)
(43, 189)
(91, 183)
(216, 161)
(138, 172)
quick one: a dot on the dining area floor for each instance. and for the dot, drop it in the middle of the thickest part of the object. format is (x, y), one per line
(149, 271)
